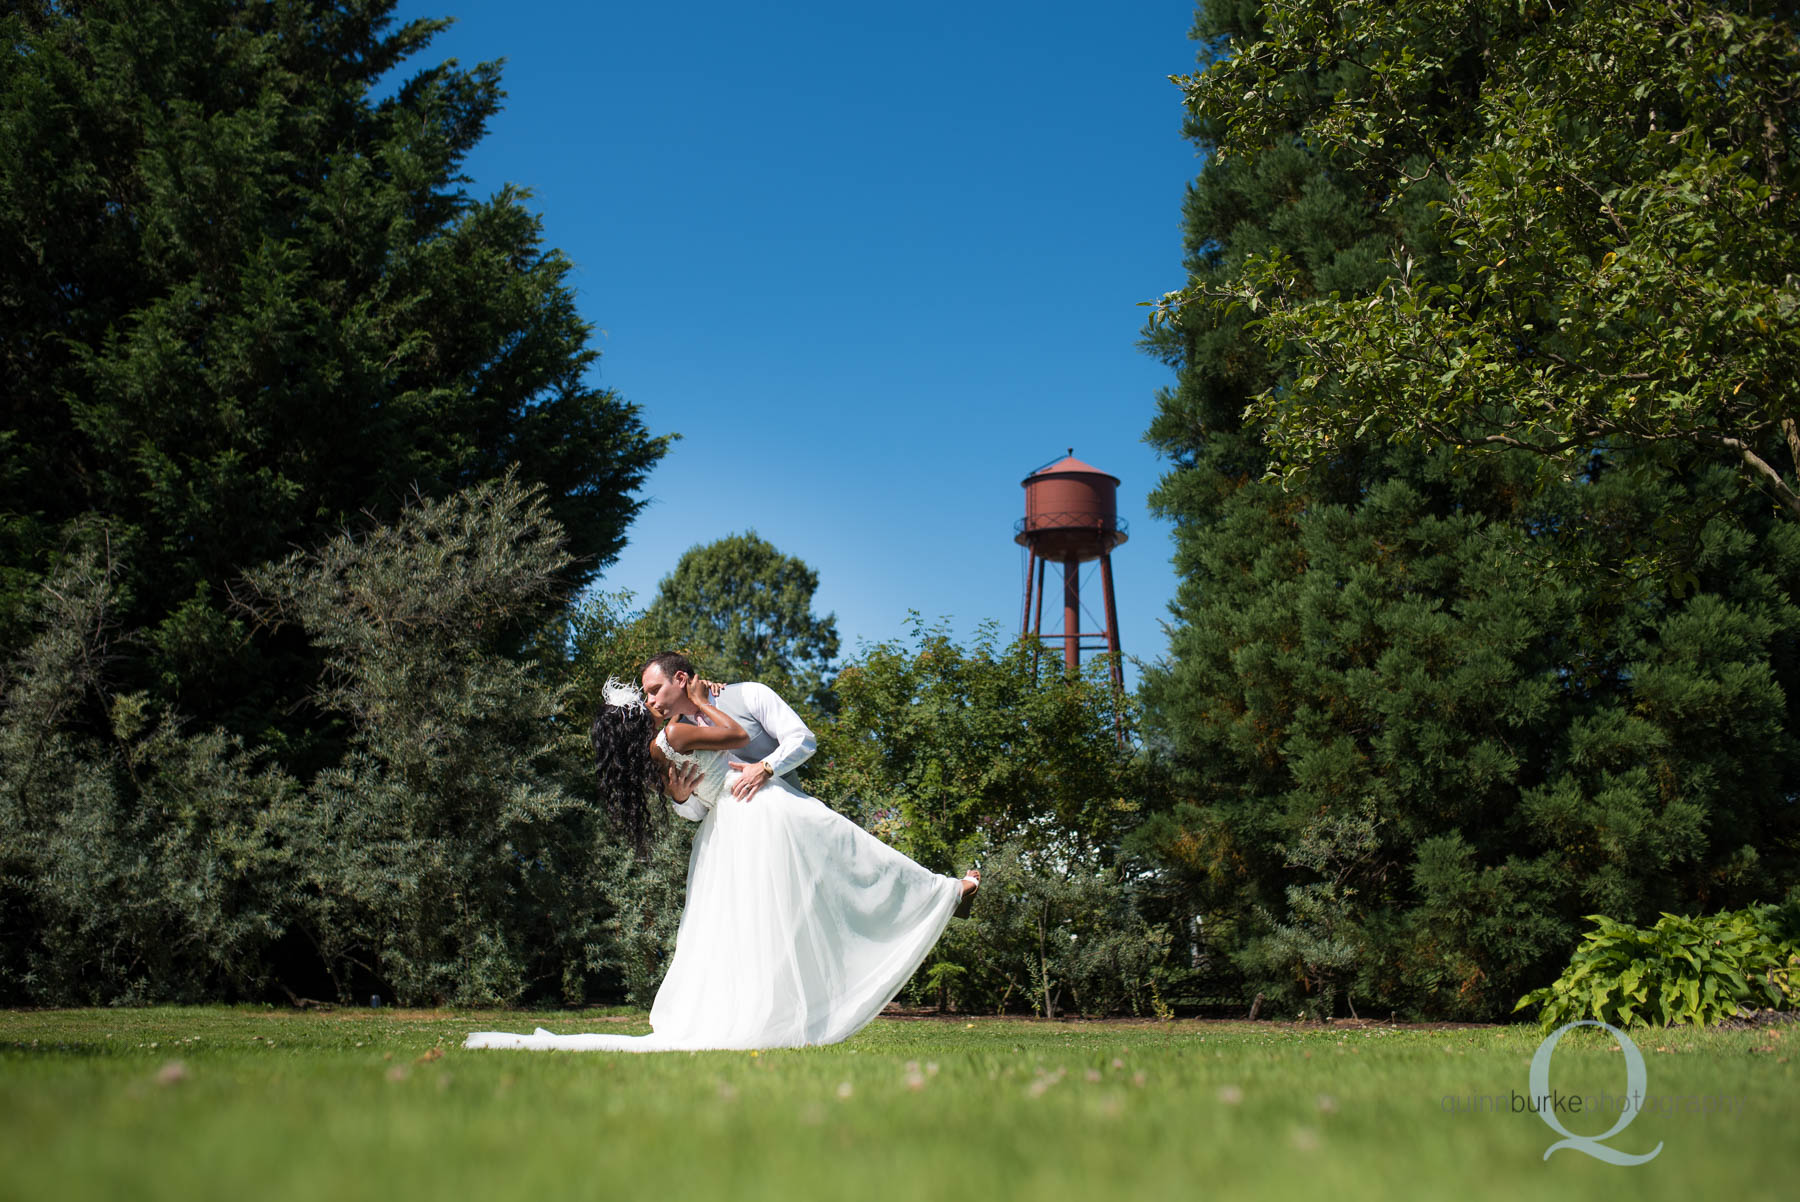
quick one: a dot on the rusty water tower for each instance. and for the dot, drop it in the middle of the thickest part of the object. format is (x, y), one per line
(1071, 518)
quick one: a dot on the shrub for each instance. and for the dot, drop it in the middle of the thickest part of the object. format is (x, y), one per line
(448, 851)
(1693, 971)
(1048, 935)
(643, 905)
(139, 861)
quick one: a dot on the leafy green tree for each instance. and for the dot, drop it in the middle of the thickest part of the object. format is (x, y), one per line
(741, 604)
(969, 755)
(948, 750)
(1423, 713)
(244, 301)
(1615, 184)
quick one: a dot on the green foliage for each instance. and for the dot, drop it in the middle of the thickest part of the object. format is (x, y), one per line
(1615, 238)
(1053, 936)
(1318, 940)
(740, 604)
(139, 861)
(1421, 711)
(1693, 971)
(449, 854)
(1418, 750)
(603, 637)
(248, 306)
(247, 303)
(946, 751)
(958, 755)
(643, 899)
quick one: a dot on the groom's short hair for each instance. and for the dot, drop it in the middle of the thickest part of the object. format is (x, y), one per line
(669, 662)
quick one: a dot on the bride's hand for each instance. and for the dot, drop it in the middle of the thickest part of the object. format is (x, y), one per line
(701, 692)
(680, 781)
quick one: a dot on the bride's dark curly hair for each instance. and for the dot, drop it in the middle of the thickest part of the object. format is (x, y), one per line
(628, 777)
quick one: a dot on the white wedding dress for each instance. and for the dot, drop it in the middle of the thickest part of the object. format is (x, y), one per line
(799, 927)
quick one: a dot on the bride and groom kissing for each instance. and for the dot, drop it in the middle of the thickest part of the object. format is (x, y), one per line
(799, 925)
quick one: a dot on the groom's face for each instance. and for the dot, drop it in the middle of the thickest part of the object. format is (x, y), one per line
(665, 694)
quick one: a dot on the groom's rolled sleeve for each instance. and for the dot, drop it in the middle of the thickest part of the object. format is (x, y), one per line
(794, 741)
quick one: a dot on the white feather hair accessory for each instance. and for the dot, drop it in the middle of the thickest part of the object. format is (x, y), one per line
(619, 695)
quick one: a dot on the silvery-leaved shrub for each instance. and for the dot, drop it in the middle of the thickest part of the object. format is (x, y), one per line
(449, 851)
(1051, 933)
(141, 858)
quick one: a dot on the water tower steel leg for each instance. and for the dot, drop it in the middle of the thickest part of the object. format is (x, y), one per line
(1112, 645)
(1037, 624)
(1112, 621)
(1071, 617)
(1030, 569)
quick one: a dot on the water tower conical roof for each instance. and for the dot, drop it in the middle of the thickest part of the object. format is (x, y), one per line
(1069, 465)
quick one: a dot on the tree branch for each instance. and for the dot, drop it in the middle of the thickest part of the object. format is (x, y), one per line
(1761, 467)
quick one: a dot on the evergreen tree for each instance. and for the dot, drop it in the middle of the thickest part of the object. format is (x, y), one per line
(245, 302)
(1423, 714)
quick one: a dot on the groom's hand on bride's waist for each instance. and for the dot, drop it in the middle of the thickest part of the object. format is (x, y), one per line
(750, 778)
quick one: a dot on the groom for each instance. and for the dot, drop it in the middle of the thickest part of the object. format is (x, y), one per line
(779, 740)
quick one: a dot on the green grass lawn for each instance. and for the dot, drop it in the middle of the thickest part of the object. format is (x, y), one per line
(268, 1105)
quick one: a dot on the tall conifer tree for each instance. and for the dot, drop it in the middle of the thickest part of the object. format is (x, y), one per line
(245, 302)
(1424, 714)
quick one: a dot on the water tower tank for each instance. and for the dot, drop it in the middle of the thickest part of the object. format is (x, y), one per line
(1071, 517)
(1071, 512)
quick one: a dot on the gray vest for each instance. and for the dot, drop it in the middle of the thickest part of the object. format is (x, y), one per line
(762, 744)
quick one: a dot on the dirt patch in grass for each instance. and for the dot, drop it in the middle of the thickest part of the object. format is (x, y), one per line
(417, 1015)
(1182, 1024)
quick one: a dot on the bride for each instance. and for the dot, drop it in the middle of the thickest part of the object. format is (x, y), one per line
(799, 926)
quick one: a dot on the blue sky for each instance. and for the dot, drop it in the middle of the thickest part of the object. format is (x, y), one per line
(873, 263)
